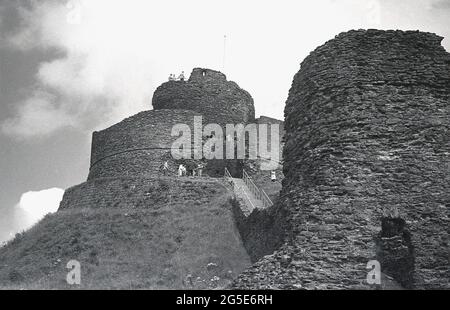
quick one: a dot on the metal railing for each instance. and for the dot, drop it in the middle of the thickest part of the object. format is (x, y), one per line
(256, 191)
(227, 174)
(229, 178)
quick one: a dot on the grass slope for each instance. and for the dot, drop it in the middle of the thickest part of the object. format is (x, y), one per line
(156, 247)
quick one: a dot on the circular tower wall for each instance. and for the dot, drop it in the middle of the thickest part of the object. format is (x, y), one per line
(137, 146)
(367, 134)
(207, 92)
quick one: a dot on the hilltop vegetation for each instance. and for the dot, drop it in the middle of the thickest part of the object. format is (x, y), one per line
(183, 244)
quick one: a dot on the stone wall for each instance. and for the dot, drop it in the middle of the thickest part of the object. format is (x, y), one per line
(367, 131)
(257, 168)
(138, 145)
(395, 251)
(264, 120)
(262, 231)
(207, 92)
(137, 192)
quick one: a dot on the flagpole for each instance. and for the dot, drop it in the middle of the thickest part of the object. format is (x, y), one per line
(224, 52)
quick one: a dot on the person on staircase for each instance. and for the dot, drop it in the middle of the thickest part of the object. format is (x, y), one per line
(273, 175)
(200, 169)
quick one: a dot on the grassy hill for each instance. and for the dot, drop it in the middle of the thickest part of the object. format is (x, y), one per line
(188, 242)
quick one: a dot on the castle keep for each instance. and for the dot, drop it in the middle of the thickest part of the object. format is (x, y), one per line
(138, 146)
(208, 93)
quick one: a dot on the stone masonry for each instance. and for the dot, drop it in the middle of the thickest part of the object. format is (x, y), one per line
(207, 92)
(127, 158)
(367, 134)
(137, 146)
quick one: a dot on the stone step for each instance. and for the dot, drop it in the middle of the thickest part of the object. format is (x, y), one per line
(242, 192)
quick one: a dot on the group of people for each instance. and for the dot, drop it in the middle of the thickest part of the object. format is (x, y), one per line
(183, 170)
(197, 171)
(172, 77)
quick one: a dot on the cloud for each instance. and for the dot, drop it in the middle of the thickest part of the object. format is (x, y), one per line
(36, 205)
(441, 4)
(38, 115)
(30, 209)
(103, 76)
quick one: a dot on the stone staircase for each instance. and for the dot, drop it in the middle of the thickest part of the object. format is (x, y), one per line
(248, 193)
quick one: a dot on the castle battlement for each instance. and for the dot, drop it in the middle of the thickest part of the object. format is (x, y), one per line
(207, 92)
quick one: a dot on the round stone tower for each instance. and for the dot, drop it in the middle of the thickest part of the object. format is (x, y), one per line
(126, 158)
(137, 146)
(367, 135)
(207, 92)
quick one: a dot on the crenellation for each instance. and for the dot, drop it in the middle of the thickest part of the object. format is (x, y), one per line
(207, 92)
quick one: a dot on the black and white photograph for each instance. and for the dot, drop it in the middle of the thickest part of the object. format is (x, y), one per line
(224, 152)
